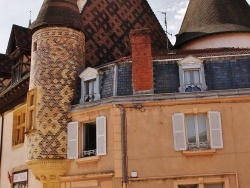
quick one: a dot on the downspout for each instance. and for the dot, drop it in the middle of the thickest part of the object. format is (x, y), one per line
(1, 145)
(124, 152)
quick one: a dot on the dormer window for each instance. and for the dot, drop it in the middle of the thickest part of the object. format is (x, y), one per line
(191, 74)
(90, 85)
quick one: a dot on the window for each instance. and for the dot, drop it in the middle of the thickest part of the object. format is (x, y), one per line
(87, 139)
(18, 126)
(197, 131)
(90, 85)
(192, 80)
(20, 179)
(191, 74)
(216, 185)
(35, 46)
(31, 110)
(203, 182)
(196, 128)
(90, 90)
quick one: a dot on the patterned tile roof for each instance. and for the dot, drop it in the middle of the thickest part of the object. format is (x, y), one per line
(107, 25)
(207, 17)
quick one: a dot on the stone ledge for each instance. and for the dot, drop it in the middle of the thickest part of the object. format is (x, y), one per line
(87, 160)
(87, 177)
(199, 152)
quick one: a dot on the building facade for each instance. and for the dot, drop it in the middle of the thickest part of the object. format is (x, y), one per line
(96, 100)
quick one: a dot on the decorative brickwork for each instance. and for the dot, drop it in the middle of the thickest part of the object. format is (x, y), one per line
(54, 68)
(107, 24)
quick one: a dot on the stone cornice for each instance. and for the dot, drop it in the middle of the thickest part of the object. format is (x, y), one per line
(219, 96)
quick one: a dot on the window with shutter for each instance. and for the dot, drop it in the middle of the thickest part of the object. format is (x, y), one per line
(179, 132)
(18, 125)
(72, 151)
(87, 139)
(200, 131)
(101, 135)
(215, 129)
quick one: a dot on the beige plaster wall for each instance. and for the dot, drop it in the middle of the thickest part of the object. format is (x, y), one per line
(151, 148)
(13, 158)
(109, 164)
(227, 40)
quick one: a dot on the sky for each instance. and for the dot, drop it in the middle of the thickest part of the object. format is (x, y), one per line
(18, 12)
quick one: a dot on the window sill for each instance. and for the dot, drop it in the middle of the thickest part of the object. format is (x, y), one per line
(17, 146)
(199, 152)
(87, 160)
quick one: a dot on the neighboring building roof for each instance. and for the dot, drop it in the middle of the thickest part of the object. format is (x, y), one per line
(207, 17)
(19, 37)
(14, 94)
(5, 66)
(179, 53)
(107, 25)
(58, 13)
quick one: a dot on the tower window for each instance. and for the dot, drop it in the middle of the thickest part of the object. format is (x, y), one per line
(31, 110)
(35, 46)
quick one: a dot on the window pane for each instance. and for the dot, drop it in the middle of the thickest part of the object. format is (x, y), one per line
(190, 122)
(218, 185)
(187, 77)
(196, 77)
(91, 87)
(87, 87)
(202, 128)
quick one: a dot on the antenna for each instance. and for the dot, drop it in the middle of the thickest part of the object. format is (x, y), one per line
(166, 25)
(30, 19)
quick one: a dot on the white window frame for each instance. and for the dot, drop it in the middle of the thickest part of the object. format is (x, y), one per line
(88, 75)
(214, 131)
(196, 131)
(190, 64)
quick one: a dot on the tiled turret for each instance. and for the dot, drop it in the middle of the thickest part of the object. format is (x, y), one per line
(57, 58)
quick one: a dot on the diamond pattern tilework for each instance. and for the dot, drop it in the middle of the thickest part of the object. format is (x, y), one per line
(54, 69)
(107, 24)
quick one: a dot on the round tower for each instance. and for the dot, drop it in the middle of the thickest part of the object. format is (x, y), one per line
(57, 58)
(215, 24)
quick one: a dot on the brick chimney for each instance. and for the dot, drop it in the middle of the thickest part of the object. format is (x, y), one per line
(142, 66)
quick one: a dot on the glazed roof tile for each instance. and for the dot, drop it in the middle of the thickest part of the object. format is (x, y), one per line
(58, 13)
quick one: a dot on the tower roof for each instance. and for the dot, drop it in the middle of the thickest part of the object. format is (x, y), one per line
(58, 13)
(107, 25)
(207, 17)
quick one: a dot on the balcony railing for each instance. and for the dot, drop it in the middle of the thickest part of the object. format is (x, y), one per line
(200, 146)
(89, 153)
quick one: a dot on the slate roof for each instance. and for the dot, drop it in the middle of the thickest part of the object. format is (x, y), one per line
(19, 37)
(207, 17)
(58, 13)
(5, 66)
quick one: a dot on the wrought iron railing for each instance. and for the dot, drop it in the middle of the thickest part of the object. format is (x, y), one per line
(200, 146)
(89, 153)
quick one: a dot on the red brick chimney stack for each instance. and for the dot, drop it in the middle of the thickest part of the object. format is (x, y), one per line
(142, 66)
